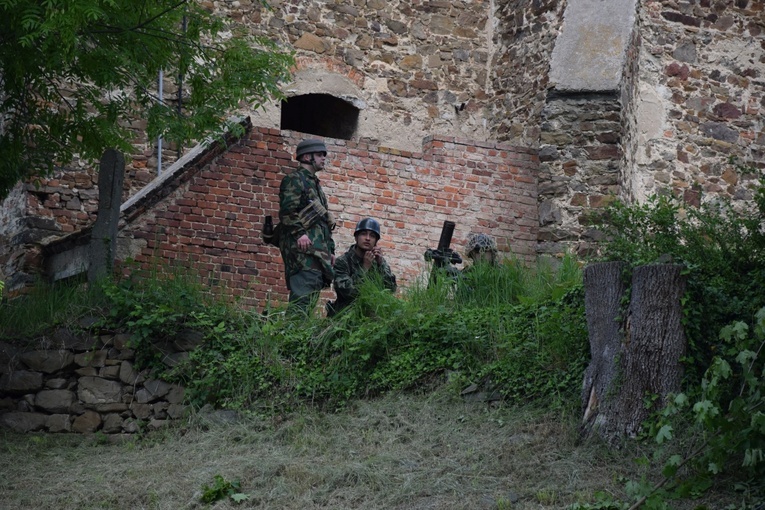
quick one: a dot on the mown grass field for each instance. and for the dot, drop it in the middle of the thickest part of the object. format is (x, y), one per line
(402, 451)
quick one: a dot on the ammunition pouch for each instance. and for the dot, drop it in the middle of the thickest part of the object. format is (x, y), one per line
(314, 212)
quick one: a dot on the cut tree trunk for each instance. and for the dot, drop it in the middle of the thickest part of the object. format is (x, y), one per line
(636, 351)
(604, 289)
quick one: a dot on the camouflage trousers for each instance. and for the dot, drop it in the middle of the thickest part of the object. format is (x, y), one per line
(305, 287)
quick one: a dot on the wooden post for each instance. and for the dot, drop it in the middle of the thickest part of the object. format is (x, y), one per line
(103, 241)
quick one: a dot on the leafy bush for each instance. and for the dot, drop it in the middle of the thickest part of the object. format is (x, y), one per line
(155, 304)
(716, 426)
(721, 248)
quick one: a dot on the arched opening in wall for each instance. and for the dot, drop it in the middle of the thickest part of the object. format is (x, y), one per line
(320, 114)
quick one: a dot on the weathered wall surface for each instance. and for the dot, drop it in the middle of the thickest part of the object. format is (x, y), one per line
(700, 99)
(524, 33)
(690, 95)
(416, 61)
(213, 219)
(84, 383)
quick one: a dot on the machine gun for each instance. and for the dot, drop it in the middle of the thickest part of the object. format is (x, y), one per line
(443, 257)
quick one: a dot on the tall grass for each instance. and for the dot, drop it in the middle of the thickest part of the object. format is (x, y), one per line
(47, 305)
(465, 330)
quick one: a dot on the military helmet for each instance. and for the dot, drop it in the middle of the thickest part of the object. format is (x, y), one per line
(481, 242)
(309, 146)
(370, 224)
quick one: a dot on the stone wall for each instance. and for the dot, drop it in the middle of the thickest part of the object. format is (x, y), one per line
(579, 169)
(212, 218)
(524, 34)
(700, 99)
(70, 382)
(689, 95)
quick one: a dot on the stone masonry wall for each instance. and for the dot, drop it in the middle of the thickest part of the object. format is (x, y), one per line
(213, 220)
(700, 100)
(524, 37)
(70, 382)
(579, 168)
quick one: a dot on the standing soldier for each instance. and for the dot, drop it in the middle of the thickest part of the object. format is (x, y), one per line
(362, 260)
(306, 243)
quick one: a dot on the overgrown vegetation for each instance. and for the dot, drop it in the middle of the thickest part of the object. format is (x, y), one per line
(717, 424)
(513, 333)
(521, 341)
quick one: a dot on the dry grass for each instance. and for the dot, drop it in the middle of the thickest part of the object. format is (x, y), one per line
(399, 452)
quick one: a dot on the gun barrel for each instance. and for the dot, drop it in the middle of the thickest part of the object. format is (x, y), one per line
(446, 235)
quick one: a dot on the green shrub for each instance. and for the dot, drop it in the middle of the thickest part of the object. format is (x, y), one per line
(721, 248)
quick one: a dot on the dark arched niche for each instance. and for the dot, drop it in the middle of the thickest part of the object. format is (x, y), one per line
(320, 114)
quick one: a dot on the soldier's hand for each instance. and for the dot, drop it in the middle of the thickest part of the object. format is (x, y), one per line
(304, 242)
(369, 257)
(377, 251)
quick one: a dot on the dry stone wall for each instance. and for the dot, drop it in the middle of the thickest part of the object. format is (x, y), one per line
(70, 382)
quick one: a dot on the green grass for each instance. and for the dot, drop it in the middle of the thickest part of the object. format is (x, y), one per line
(426, 450)
(47, 305)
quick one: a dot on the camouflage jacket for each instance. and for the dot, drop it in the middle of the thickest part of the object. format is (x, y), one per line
(296, 192)
(349, 272)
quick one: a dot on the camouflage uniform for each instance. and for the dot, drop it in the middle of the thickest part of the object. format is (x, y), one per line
(296, 191)
(349, 272)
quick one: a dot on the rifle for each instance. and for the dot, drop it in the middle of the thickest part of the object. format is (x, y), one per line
(444, 257)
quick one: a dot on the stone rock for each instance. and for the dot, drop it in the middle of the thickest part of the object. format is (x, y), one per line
(95, 390)
(112, 372)
(57, 383)
(726, 111)
(311, 42)
(128, 375)
(685, 52)
(59, 423)
(158, 424)
(131, 426)
(549, 213)
(54, 401)
(157, 388)
(112, 407)
(112, 423)
(176, 411)
(48, 361)
(188, 340)
(90, 359)
(23, 422)
(21, 381)
(121, 340)
(141, 411)
(719, 131)
(175, 395)
(89, 421)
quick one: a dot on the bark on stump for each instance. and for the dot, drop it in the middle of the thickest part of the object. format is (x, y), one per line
(635, 352)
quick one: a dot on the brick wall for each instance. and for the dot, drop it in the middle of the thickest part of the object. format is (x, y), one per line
(212, 220)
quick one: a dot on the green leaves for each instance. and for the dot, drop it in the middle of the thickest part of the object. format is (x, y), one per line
(76, 74)
(222, 489)
(664, 434)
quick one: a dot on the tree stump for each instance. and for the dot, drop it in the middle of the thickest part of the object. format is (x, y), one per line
(636, 350)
